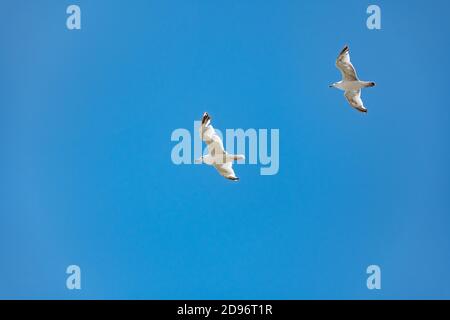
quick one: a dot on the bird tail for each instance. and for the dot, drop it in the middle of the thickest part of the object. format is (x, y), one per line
(370, 84)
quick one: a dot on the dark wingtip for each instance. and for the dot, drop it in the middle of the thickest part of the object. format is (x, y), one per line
(205, 117)
(346, 48)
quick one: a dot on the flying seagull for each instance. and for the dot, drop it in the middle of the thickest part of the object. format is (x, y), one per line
(350, 82)
(217, 156)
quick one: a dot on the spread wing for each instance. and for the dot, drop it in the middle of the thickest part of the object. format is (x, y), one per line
(226, 170)
(345, 66)
(354, 98)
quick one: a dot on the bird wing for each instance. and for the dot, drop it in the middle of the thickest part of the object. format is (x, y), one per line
(354, 98)
(345, 66)
(212, 139)
(226, 170)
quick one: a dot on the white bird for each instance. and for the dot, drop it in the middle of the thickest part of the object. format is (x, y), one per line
(217, 156)
(350, 82)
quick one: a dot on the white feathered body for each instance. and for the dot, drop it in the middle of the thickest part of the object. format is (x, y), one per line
(217, 156)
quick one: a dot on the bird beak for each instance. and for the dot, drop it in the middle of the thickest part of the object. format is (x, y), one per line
(330, 86)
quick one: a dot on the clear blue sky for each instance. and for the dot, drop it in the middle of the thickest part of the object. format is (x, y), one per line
(87, 179)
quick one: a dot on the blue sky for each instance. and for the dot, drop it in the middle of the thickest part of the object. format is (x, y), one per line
(87, 179)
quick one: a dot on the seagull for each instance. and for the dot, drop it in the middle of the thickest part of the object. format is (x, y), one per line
(217, 156)
(350, 82)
